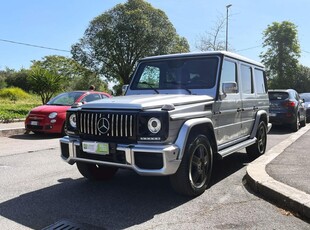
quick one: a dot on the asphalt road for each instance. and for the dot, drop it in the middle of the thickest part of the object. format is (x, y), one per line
(38, 189)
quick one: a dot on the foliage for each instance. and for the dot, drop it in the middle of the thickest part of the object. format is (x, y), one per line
(302, 80)
(45, 83)
(73, 74)
(281, 56)
(13, 94)
(2, 81)
(18, 79)
(85, 81)
(19, 110)
(60, 65)
(116, 39)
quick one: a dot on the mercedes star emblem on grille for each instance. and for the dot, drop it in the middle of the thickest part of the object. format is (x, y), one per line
(103, 125)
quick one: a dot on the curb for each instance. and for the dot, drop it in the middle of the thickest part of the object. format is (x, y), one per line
(285, 196)
(12, 131)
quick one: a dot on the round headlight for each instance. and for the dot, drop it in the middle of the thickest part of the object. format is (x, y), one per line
(72, 120)
(154, 125)
(52, 115)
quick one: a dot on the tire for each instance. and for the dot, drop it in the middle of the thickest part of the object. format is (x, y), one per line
(295, 125)
(96, 172)
(303, 123)
(194, 173)
(259, 147)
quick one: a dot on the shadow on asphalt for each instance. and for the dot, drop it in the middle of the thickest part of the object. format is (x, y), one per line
(279, 130)
(125, 201)
(35, 136)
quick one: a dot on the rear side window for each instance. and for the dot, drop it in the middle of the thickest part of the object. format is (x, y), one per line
(260, 81)
(278, 96)
(247, 79)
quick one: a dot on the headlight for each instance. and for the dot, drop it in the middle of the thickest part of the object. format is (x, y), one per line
(154, 125)
(52, 115)
(72, 120)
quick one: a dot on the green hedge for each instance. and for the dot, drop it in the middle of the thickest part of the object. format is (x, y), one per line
(19, 108)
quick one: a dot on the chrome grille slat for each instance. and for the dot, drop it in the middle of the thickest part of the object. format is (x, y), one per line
(121, 125)
(125, 125)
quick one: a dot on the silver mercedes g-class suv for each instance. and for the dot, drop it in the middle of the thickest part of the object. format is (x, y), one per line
(179, 113)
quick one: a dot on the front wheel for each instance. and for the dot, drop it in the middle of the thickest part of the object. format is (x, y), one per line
(259, 147)
(96, 172)
(194, 173)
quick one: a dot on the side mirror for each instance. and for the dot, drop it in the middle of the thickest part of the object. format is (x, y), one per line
(76, 105)
(229, 87)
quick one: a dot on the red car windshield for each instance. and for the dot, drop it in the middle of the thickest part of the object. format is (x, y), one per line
(65, 98)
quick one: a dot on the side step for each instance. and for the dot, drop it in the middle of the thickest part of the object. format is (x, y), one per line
(235, 148)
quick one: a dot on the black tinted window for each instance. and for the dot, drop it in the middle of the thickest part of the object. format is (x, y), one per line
(278, 95)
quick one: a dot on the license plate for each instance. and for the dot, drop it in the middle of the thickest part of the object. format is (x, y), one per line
(96, 147)
(34, 123)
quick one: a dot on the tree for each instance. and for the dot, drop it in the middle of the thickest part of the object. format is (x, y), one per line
(302, 81)
(116, 39)
(45, 83)
(18, 79)
(75, 76)
(215, 39)
(281, 56)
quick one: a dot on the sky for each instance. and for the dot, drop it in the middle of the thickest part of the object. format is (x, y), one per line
(58, 24)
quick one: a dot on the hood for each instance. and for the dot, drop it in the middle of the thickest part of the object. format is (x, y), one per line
(147, 101)
(50, 109)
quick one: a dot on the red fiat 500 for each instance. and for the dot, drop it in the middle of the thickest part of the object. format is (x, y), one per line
(50, 118)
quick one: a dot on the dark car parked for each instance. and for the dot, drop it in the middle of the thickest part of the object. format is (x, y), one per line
(306, 98)
(286, 108)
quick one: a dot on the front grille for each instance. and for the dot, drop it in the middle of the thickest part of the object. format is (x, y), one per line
(34, 127)
(107, 125)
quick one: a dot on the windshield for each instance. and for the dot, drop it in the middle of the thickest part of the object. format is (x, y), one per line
(305, 96)
(65, 98)
(190, 73)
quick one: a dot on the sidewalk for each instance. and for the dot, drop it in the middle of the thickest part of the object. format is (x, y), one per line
(281, 175)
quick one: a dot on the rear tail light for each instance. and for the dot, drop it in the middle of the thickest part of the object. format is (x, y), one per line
(289, 104)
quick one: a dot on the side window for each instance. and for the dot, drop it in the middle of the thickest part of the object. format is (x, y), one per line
(91, 97)
(247, 79)
(229, 73)
(260, 81)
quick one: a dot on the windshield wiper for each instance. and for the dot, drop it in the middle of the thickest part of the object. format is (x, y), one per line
(149, 85)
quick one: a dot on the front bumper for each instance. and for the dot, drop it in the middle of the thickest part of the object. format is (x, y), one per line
(152, 160)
